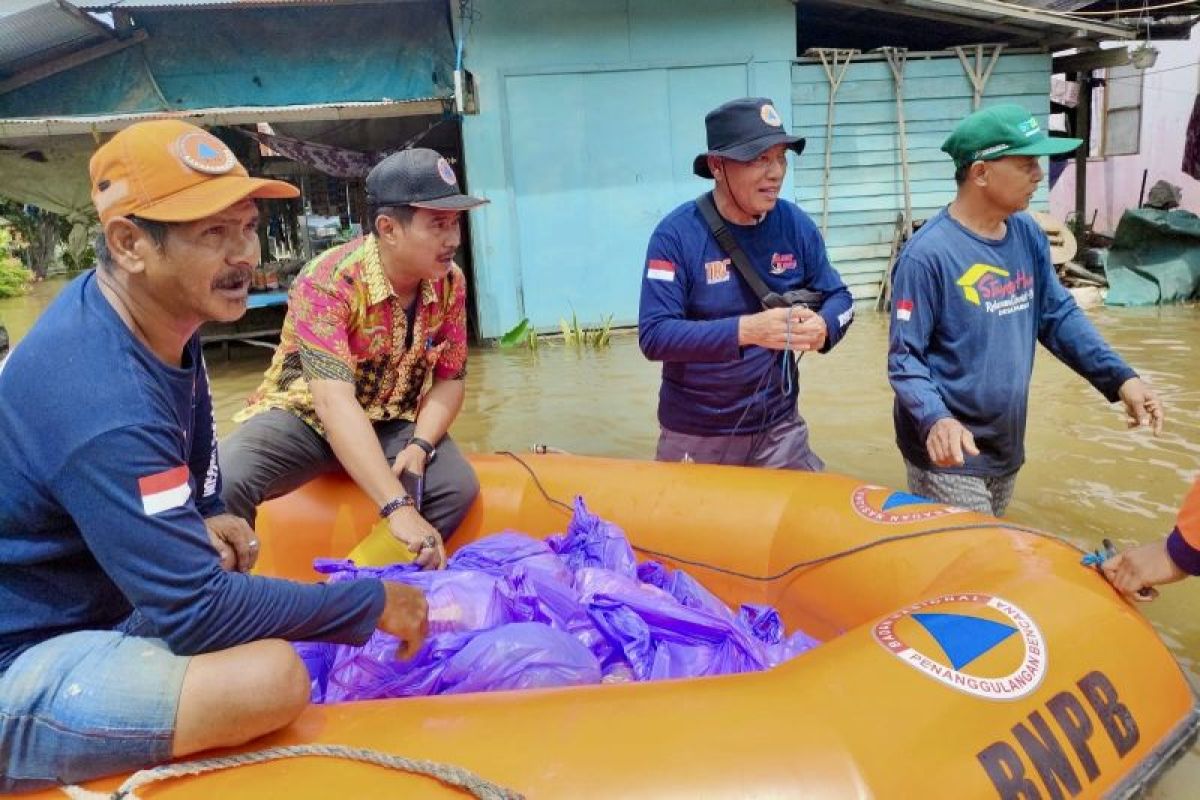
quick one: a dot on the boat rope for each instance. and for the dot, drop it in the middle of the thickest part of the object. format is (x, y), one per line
(446, 773)
(812, 562)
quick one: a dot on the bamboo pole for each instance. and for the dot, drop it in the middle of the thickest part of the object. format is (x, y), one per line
(896, 58)
(976, 73)
(835, 72)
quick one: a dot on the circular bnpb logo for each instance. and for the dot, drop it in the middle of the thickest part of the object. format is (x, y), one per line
(880, 504)
(206, 153)
(446, 171)
(979, 644)
(770, 115)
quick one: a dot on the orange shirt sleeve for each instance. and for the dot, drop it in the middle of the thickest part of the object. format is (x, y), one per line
(1188, 523)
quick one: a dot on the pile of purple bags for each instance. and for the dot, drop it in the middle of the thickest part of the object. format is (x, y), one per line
(513, 612)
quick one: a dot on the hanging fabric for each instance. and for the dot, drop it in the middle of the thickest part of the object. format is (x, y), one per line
(1191, 146)
(339, 162)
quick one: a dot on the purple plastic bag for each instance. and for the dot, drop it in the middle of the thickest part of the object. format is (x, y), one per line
(318, 659)
(593, 542)
(501, 553)
(371, 672)
(661, 638)
(535, 596)
(512, 612)
(524, 655)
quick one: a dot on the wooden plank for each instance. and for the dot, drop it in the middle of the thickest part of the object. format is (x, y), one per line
(70, 61)
(920, 89)
(884, 111)
(858, 252)
(891, 203)
(937, 167)
(865, 291)
(810, 195)
(858, 220)
(812, 128)
(863, 233)
(868, 143)
(923, 68)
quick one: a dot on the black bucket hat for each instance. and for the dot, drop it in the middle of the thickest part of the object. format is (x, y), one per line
(741, 129)
(417, 177)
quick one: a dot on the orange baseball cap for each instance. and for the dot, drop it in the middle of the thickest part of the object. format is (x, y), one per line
(171, 171)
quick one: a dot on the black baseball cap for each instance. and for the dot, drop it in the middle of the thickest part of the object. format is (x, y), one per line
(741, 129)
(417, 177)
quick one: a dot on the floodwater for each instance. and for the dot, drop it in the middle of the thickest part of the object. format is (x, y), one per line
(1087, 477)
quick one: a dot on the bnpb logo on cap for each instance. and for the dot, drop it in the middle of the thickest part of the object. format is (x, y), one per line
(205, 153)
(770, 115)
(446, 171)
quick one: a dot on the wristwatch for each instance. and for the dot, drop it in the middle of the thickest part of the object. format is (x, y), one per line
(430, 450)
(395, 504)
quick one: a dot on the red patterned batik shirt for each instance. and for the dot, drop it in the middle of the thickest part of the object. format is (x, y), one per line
(344, 322)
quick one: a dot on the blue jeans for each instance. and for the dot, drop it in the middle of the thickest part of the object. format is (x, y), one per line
(87, 704)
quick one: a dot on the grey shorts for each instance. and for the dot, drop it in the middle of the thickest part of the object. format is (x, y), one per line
(782, 446)
(985, 494)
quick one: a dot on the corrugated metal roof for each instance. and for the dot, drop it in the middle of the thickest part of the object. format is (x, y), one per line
(129, 5)
(39, 30)
(1026, 15)
(53, 126)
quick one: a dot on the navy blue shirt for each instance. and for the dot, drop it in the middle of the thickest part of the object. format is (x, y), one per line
(108, 465)
(967, 315)
(692, 296)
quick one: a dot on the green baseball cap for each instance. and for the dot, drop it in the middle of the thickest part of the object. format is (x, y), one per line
(1000, 131)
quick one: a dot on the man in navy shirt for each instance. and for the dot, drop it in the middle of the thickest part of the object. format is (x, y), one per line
(130, 631)
(729, 383)
(974, 292)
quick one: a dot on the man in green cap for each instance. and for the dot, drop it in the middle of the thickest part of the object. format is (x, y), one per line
(974, 292)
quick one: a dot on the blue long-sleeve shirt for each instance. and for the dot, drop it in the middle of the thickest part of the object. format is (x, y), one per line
(967, 315)
(107, 468)
(692, 296)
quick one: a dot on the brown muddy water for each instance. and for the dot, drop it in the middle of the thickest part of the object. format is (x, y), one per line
(1087, 477)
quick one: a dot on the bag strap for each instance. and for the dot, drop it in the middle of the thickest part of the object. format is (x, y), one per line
(716, 224)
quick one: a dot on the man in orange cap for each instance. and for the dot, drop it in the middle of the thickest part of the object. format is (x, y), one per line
(130, 632)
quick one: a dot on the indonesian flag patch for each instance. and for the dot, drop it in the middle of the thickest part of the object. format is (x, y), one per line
(660, 270)
(165, 491)
(904, 309)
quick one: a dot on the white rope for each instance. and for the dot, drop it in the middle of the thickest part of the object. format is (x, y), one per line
(446, 773)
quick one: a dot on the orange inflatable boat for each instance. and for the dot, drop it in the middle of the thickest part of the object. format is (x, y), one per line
(913, 694)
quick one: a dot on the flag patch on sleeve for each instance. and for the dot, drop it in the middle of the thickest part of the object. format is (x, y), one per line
(165, 490)
(660, 270)
(904, 309)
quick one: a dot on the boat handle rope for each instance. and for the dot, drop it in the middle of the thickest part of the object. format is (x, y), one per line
(814, 562)
(449, 774)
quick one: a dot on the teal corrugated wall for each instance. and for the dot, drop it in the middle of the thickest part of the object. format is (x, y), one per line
(865, 187)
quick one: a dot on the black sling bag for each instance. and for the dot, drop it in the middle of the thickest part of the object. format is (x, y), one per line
(796, 297)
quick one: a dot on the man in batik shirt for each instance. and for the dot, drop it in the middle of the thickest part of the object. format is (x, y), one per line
(369, 372)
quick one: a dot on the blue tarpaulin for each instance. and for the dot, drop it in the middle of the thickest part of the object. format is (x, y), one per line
(269, 57)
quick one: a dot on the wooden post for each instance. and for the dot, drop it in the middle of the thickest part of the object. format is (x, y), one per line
(1083, 130)
(896, 58)
(976, 73)
(835, 72)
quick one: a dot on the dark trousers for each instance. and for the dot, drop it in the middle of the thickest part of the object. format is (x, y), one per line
(275, 452)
